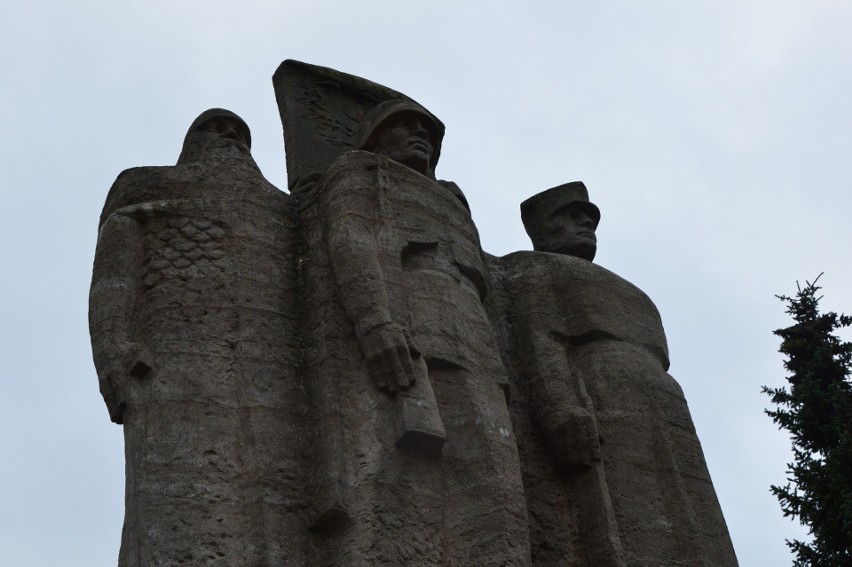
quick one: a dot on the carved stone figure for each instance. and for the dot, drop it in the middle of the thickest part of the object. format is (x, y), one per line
(613, 471)
(193, 332)
(342, 377)
(417, 463)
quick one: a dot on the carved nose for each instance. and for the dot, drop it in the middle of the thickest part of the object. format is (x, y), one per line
(232, 133)
(583, 219)
(418, 128)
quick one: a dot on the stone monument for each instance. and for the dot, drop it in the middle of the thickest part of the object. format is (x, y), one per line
(613, 471)
(417, 461)
(341, 376)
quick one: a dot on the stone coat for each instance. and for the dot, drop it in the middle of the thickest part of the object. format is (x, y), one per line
(606, 440)
(192, 328)
(385, 244)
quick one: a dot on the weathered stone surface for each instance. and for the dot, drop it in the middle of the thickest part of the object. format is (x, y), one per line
(341, 376)
(193, 332)
(380, 264)
(415, 456)
(321, 111)
(613, 471)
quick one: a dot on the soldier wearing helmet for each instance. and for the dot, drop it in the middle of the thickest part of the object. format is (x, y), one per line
(405, 132)
(607, 424)
(427, 454)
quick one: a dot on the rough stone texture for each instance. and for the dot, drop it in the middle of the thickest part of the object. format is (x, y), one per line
(384, 237)
(321, 110)
(322, 378)
(613, 471)
(415, 457)
(193, 330)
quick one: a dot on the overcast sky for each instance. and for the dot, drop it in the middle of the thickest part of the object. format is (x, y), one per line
(714, 136)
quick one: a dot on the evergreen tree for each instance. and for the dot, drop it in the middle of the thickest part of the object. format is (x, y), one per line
(816, 410)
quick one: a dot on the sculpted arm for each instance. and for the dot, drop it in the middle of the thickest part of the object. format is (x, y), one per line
(118, 354)
(354, 233)
(560, 404)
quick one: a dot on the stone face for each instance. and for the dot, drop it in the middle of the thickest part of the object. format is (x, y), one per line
(341, 376)
(562, 220)
(193, 332)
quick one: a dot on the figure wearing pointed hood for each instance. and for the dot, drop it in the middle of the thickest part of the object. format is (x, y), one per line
(214, 133)
(192, 334)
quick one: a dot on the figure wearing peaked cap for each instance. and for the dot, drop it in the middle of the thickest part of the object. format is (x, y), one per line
(613, 471)
(549, 214)
(191, 318)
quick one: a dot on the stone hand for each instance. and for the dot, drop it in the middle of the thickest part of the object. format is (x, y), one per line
(574, 440)
(124, 362)
(390, 357)
(136, 361)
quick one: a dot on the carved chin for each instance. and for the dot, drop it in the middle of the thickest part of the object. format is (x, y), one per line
(586, 251)
(413, 161)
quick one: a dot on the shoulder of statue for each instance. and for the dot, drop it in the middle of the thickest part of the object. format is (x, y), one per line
(579, 270)
(602, 274)
(453, 188)
(356, 158)
(519, 257)
(535, 259)
(139, 185)
(353, 163)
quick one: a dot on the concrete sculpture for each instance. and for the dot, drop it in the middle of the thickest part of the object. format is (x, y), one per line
(418, 461)
(341, 376)
(614, 473)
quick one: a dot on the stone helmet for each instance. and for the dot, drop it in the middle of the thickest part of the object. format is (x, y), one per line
(536, 209)
(221, 113)
(380, 113)
(197, 140)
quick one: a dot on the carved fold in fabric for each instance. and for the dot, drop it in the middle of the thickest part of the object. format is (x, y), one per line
(324, 378)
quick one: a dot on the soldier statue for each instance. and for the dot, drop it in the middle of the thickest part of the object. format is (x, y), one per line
(605, 430)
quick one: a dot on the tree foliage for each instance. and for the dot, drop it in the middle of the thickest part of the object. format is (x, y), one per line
(816, 410)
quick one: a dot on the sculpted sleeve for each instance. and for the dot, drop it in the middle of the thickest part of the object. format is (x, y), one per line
(355, 222)
(112, 298)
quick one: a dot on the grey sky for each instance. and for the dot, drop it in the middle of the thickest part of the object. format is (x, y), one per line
(714, 136)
